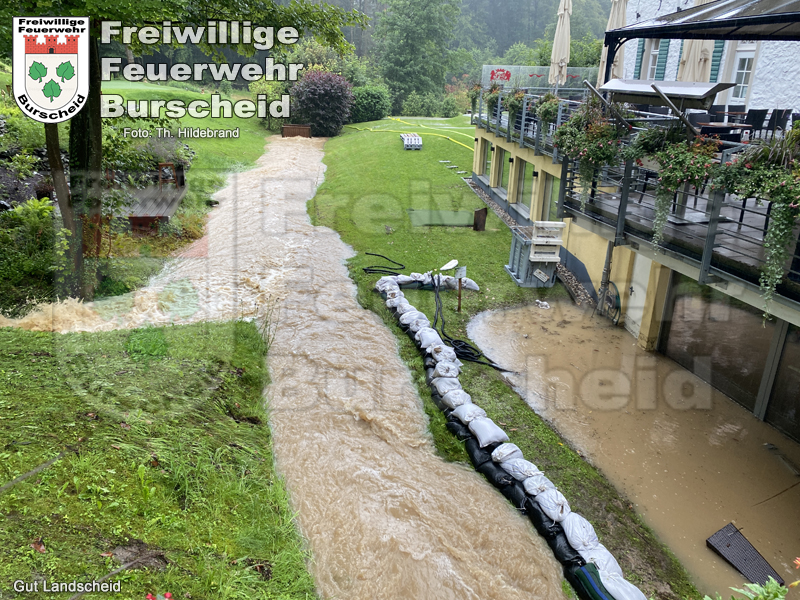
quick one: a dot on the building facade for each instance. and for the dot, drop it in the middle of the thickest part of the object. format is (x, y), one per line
(765, 72)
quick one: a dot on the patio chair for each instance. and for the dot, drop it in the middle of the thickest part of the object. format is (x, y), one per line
(755, 118)
(736, 108)
(698, 117)
(777, 120)
(716, 111)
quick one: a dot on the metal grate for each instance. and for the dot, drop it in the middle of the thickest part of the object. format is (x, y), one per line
(731, 545)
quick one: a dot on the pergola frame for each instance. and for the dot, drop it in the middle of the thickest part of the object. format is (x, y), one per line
(774, 20)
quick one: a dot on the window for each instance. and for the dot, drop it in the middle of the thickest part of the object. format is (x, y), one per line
(550, 200)
(504, 167)
(525, 184)
(742, 74)
(652, 59)
(487, 157)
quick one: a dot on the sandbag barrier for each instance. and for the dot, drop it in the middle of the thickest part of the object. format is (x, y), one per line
(588, 565)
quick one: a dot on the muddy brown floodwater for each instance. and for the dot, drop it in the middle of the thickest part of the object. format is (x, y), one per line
(688, 457)
(384, 517)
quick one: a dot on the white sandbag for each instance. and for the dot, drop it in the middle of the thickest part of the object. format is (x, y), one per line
(427, 336)
(537, 484)
(554, 505)
(456, 398)
(449, 283)
(602, 559)
(404, 280)
(403, 307)
(386, 282)
(397, 302)
(580, 533)
(487, 432)
(446, 369)
(440, 352)
(468, 284)
(412, 315)
(394, 293)
(519, 468)
(442, 385)
(418, 324)
(423, 278)
(469, 412)
(618, 587)
(506, 452)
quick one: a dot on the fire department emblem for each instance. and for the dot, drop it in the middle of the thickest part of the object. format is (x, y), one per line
(51, 66)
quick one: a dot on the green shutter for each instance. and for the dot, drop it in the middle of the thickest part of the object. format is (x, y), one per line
(716, 59)
(637, 70)
(661, 64)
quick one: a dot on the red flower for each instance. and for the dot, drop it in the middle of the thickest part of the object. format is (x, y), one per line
(150, 597)
(748, 166)
(167, 595)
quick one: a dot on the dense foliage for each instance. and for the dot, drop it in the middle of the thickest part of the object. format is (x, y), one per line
(370, 103)
(413, 51)
(592, 139)
(323, 100)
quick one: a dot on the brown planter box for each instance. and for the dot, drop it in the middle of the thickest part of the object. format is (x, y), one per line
(296, 130)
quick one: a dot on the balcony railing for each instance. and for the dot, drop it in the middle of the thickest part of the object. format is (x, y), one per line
(719, 233)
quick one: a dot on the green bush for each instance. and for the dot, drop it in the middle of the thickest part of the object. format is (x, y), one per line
(413, 107)
(27, 255)
(450, 108)
(24, 164)
(431, 106)
(370, 103)
(324, 100)
(225, 87)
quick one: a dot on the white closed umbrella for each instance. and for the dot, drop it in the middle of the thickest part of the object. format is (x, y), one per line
(695, 62)
(616, 19)
(559, 58)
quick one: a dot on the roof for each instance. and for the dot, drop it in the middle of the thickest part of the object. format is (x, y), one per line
(720, 20)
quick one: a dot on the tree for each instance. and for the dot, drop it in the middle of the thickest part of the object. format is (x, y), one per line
(413, 48)
(85, 144)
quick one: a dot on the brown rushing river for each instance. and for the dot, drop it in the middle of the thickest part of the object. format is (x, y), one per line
(689, 458)
(383, 515)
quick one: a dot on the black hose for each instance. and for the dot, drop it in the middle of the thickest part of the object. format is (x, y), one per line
(383, 269)
(464, 350)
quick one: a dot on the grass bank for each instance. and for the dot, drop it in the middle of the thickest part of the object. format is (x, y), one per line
(370, 185)
(162, 450)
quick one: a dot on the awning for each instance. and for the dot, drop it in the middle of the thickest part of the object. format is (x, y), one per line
(720, 20)
(684, 94)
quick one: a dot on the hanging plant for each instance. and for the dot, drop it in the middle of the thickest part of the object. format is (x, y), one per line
(492, 96)
(681, 163)
(769, 171)
(547, 108)
(593, 140)
(473, 93)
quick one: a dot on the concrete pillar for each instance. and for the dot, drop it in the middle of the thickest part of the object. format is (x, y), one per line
(656, 297)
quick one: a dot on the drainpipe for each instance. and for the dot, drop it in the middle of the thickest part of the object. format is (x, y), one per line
(601, 297)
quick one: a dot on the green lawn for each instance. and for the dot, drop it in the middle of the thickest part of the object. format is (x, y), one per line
(369, 185)
(163, 439)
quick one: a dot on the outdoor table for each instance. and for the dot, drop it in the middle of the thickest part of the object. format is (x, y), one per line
(726, 125)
